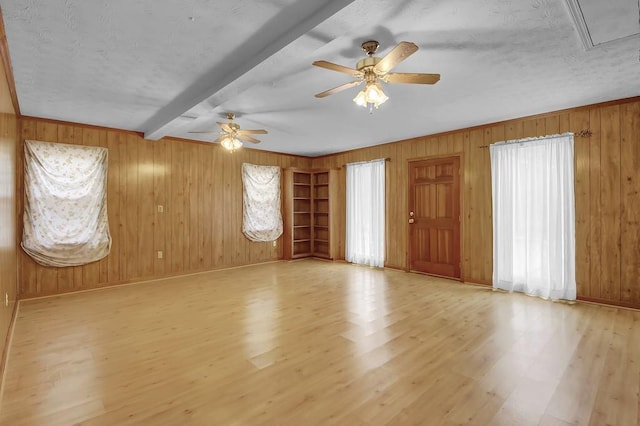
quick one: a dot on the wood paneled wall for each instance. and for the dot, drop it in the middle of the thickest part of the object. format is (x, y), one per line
(199, 186)
(607, 184)
(8, 276)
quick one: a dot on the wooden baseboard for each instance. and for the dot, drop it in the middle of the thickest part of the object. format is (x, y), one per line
(611, 303)
(7, 347)
(142, 280)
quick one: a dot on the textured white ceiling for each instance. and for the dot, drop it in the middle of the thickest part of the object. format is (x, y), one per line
(599, 16)
(166, 68)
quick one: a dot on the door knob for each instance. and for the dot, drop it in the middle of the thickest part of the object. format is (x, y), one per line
(411, 220)
(411, 214)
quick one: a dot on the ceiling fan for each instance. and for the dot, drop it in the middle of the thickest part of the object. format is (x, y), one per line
(231, 136)
(372, 70)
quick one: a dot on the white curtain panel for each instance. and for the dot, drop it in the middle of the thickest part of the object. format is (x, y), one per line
(65, 213)
(534, 216)
(262, 218)
(366, 213)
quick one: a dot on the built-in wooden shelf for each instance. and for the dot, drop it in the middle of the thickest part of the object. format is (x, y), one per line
(308, 216)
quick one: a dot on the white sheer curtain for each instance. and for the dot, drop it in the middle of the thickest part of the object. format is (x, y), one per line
(534, 216)
(365, 213)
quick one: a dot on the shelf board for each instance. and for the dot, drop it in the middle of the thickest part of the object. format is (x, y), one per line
(321, 198)
(303, 240)
(318, 240)
(302, 226)
(301, 184)
(303, 254)
(321, 226)
(302, 212)
(320, 184)
(302, 198)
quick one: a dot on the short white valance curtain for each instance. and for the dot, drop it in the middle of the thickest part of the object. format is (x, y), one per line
(365, 242)
(65, 213)
(262, 218)
(534, 216)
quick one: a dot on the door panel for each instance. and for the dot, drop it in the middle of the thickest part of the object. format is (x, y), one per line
(434, 216)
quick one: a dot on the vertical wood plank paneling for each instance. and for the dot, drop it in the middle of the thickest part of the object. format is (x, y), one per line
(208, 207)
(186, 185)
(146, 210)
(467, 262)
(220, 207)
(228, 215)
(123, 144)
(195, 249)
(552, 125)
(610, 201)
(594, 207)
(541, 127)
(159, 193)
(514, 130)
(91, 271)
(630, 194)
(209, 225)
(476, 204)
(47, 277)
(494, 134)
(458, 142)
(577, 121)
(529, 129)
(113, 205)
(564, 122)
(191, 181)
(11, 187)
(239, 244)
(103, 264)
(180, 237)
(132, 234)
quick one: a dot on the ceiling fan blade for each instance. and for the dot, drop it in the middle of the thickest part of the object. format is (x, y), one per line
(225, 127)
(208, 131)
(412, 78)
(398, 54)
(340, 68)
(218, 139)
(252, 132)
(338, 89)
(248, 138)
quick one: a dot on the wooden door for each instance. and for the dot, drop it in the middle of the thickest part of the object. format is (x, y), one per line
(434, 216)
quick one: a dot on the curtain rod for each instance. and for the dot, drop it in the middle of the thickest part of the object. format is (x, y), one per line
(586, 133)
(363, 162)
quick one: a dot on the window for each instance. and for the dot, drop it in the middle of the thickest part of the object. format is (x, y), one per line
(366, 213)
(65, 213)
(261, 219)
(534, 217)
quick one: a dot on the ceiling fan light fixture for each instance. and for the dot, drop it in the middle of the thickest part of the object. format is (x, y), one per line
(360, 99)
(371, 96)
(231, 144)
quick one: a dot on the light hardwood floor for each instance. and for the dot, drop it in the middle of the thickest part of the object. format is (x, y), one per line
(311, 342)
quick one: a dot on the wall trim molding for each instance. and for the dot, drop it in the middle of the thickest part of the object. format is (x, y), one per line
(8, 68)
(488, 125)
(135, 281)
(7, 347)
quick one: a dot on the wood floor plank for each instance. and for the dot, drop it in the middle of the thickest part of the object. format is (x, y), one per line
(311, 342)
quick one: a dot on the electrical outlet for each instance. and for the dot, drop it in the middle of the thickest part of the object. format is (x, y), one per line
(275, 243)
(160, 208)
(159, 255)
